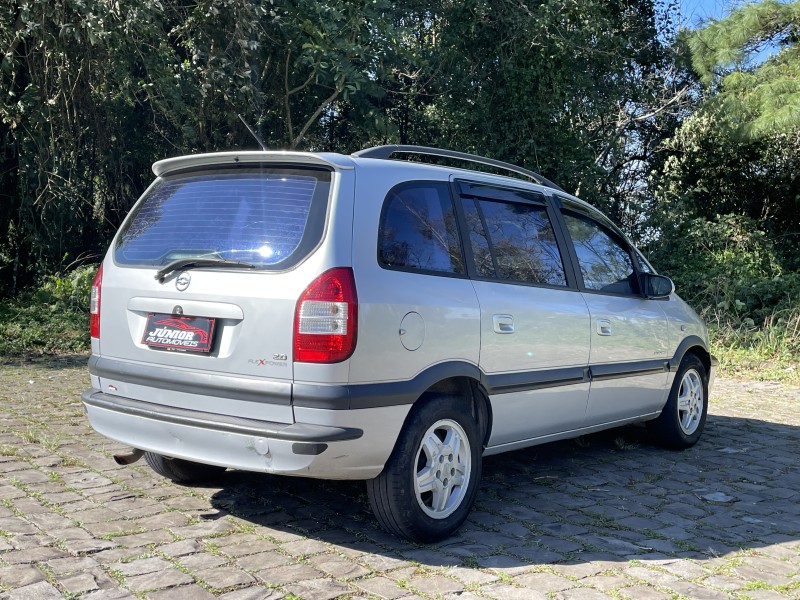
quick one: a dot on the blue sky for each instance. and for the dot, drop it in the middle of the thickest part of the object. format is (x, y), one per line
(694, 12)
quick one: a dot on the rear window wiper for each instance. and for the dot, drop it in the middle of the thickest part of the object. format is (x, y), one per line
(195, 263)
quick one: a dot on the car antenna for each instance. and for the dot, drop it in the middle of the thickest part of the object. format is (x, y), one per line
(253, 133)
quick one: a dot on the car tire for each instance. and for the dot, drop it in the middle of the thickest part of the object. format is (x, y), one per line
(182, 471)
(429, 484)
(684, 415)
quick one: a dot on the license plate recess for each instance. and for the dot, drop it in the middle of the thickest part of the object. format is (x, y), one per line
(180, 333)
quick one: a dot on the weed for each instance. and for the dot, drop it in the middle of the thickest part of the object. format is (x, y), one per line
(68, 461)
(6, 450)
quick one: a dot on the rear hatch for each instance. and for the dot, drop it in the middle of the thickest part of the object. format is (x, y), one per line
(199, 288)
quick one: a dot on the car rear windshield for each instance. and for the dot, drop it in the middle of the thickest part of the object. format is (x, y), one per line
(269, 217)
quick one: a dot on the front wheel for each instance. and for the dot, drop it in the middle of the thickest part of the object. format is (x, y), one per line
(429, 484)
(684, 416)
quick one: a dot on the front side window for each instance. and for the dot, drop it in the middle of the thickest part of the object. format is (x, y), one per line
(605, 264)
(268, 217)
(418, 230)
(518, 237)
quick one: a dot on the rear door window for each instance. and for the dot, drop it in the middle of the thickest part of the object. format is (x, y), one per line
(269, 217)
(514, 242)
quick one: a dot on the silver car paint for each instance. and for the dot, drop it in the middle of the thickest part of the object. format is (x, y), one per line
(358, 459)
(633, 329)
(453, 320)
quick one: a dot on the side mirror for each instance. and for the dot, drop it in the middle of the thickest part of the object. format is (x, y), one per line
(656, 287)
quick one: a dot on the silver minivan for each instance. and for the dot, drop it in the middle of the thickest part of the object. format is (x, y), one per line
(362, 317)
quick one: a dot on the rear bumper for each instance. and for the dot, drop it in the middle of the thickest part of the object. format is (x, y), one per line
(300, 433)
(325, 449)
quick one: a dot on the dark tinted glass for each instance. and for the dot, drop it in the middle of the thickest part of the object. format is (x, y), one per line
(270, 217)
(605, 264)
(522, 240)
(484, 264)
(418, 229)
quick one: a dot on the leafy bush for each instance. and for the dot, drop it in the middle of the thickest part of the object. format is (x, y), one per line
(53, 318)
(729, 271)
(713, 262)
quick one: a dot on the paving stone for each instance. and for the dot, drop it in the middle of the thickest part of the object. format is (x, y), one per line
(37, 591)
(697, 592)
(20, 576)
(436, 585)
(471, 576)
(183, 592)
(765, 595)
(144, 539)
(264, 560)
(204, 560)
(140, 567)
(750, 573)
(685, 569)
(79, 584)
(287, 574)
(382, 587)
(247, 547)
(318, 589)
(304, 547)
(109, 594)
(167, 578)
(381, 562)
(338, 568)
(253, 593)
(578, 570)
(32, 555)
(204, 529)
(17, 525)
(640, 592)
(725, 582)
(224, 577)
(544, 582)
(605, 583)
(182, 548)
(581, 594)
(64, 566)
(504, 591)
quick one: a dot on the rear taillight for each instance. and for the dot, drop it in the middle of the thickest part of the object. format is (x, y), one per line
(326, 318)
(94, 304)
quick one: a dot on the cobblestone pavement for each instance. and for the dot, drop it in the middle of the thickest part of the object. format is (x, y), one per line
(606, 516)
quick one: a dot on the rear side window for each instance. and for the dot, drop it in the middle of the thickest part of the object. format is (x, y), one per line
(418, 230)
(514, 242)
(270, 217)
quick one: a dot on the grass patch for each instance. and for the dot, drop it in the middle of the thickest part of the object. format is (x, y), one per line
(6, 450)
(764, 350)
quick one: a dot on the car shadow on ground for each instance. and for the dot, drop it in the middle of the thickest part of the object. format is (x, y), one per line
(610, 496)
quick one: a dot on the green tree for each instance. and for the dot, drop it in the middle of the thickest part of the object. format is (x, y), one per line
(583, 92)
(761, 96)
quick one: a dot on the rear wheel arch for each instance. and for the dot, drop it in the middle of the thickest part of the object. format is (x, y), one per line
(474, 396)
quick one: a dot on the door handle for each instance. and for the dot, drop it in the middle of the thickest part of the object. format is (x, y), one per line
(503, 323)
(603, 327)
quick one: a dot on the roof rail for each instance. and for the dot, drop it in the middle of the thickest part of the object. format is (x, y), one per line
(386, 152)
